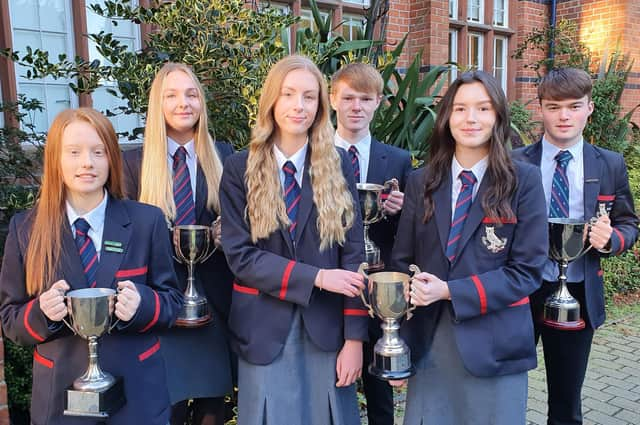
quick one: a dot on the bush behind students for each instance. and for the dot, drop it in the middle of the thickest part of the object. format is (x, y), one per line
(290, 225)
(177, 143)
(82, 183)
(474, 222)
(594, 177)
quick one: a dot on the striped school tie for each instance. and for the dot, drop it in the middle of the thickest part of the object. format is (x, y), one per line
(353, 154)
(559, 205)
(182, 193)
(87, 251)
(461, 212)
(291, 195)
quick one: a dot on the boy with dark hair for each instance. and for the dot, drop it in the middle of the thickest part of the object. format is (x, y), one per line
(356, 91)
(580, 180)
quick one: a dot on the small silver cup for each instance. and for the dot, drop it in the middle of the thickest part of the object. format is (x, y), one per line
(193, 244)
(96, 393)
(391, 355)
(372, 212)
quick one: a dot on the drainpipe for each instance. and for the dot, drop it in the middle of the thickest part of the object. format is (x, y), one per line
(552, 24)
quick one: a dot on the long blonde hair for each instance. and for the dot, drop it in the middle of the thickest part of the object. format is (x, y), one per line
(156, 185)
(43, 251)
(331, 196)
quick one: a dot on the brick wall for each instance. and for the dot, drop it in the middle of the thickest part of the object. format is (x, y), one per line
(4, 409)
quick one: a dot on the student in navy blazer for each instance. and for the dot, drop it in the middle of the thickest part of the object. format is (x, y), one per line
(200, 367)
(356, 92)
(82, 178)
(597, 180)
(480, 240)
(293, 238)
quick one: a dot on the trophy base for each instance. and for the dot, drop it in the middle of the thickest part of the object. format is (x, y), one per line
(576, 325)
(390, 368)
(194, 314)
(563, 319)
(95, 404)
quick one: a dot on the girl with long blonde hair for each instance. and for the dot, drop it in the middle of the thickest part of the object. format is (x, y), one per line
(293, 238)
(178, 169)
(80, 235)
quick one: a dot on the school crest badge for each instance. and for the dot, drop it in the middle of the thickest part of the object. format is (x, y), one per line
(493, 242)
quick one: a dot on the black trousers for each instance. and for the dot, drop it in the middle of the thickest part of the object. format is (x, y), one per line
(566, 354)
(379, 393)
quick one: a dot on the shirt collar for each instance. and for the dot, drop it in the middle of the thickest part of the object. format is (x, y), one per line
(297, 158)
(478, 169)
(95, 217)
(549, 150)
(363, 145)
(172, 147)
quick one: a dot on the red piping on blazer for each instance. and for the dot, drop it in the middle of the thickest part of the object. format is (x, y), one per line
(131, 272)
(481, 293)
(621, 240)
(285, 279)
(245, 289)
(148, 353)
(156, 314)
(42, 360)
(26, 322)
(355, 312)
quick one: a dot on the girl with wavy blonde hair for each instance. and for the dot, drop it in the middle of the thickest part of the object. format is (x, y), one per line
(293, 238)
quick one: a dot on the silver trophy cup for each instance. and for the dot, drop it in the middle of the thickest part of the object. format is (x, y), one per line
(372, 212)
(193, 244)
(567, 242)
(96, 393)
(391, 355)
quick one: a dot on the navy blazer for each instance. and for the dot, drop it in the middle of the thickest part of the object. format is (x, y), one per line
(274, 275)
(131, 349)
(489, 285)
(213, 277)
(387, 162)
(605, 181)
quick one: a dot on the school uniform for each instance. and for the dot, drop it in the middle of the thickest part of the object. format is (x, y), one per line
(379, 163)
(472, 353)
(131, 349)
(199, 360)
(285, 331)
(596, 176)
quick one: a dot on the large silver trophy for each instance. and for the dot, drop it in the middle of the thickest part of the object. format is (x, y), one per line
(391, 355)
(193, 244)
(567, 242)
(95, 394)
(370, 195)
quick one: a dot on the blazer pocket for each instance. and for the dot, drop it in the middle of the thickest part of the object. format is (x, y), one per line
(245, 289)
(149, 351)
(39, 358)
(131, 273)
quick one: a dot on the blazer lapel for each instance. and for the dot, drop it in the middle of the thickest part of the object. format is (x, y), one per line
(442, 211)
(71, 265)
(116, 229)
(377, 159)
(534, 152)
(201, 195)
(476, 214)
(306, 201)
(592, 175)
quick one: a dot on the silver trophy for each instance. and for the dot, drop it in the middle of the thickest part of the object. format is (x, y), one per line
(391, 355)
(95, 394)
(372, 212)
(193, 244)
(567, 242)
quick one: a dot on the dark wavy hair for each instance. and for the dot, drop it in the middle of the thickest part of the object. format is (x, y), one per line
(496, 201)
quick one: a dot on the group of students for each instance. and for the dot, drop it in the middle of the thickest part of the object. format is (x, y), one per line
(283, 283)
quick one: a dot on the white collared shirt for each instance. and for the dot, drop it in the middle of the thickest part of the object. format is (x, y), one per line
(297, 158)
(364, 149)
(478, 170)
(95, 218)
(192, 160)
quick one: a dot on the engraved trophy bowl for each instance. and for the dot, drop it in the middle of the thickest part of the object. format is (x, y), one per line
(193, 244)
(386, 300)
(96, 393)
(370, 196)
(567, 242)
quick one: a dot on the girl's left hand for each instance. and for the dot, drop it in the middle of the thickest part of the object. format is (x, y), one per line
(128, 300)
(427, 289)
(349, 363)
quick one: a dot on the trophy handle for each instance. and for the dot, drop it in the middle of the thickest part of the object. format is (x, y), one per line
(415, 270)
(390, 185)
(361, 270)
(114, 324)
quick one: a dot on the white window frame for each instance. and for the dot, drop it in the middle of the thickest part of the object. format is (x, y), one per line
(480, 19)
(284, 9)
(505, 50)
(453, 9)
(349, 19)
(307, 15)
(363, 3)
(480, 38)
(49, 81)
(505, 10)
(453, 53)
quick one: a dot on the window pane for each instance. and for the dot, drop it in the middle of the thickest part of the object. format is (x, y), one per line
(500, 13)
(24, 13)
(453, 53)
(475, 51)
(500, 61)
(453, 9)
(474, 10)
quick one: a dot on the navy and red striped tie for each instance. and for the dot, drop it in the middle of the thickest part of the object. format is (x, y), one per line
(461, 212)
(291, 195)
(87, 251)
(559, 205)
(353, 154)
(182, 193)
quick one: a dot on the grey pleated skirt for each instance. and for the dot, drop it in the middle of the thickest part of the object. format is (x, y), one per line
(443, 392)
(298, 388)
